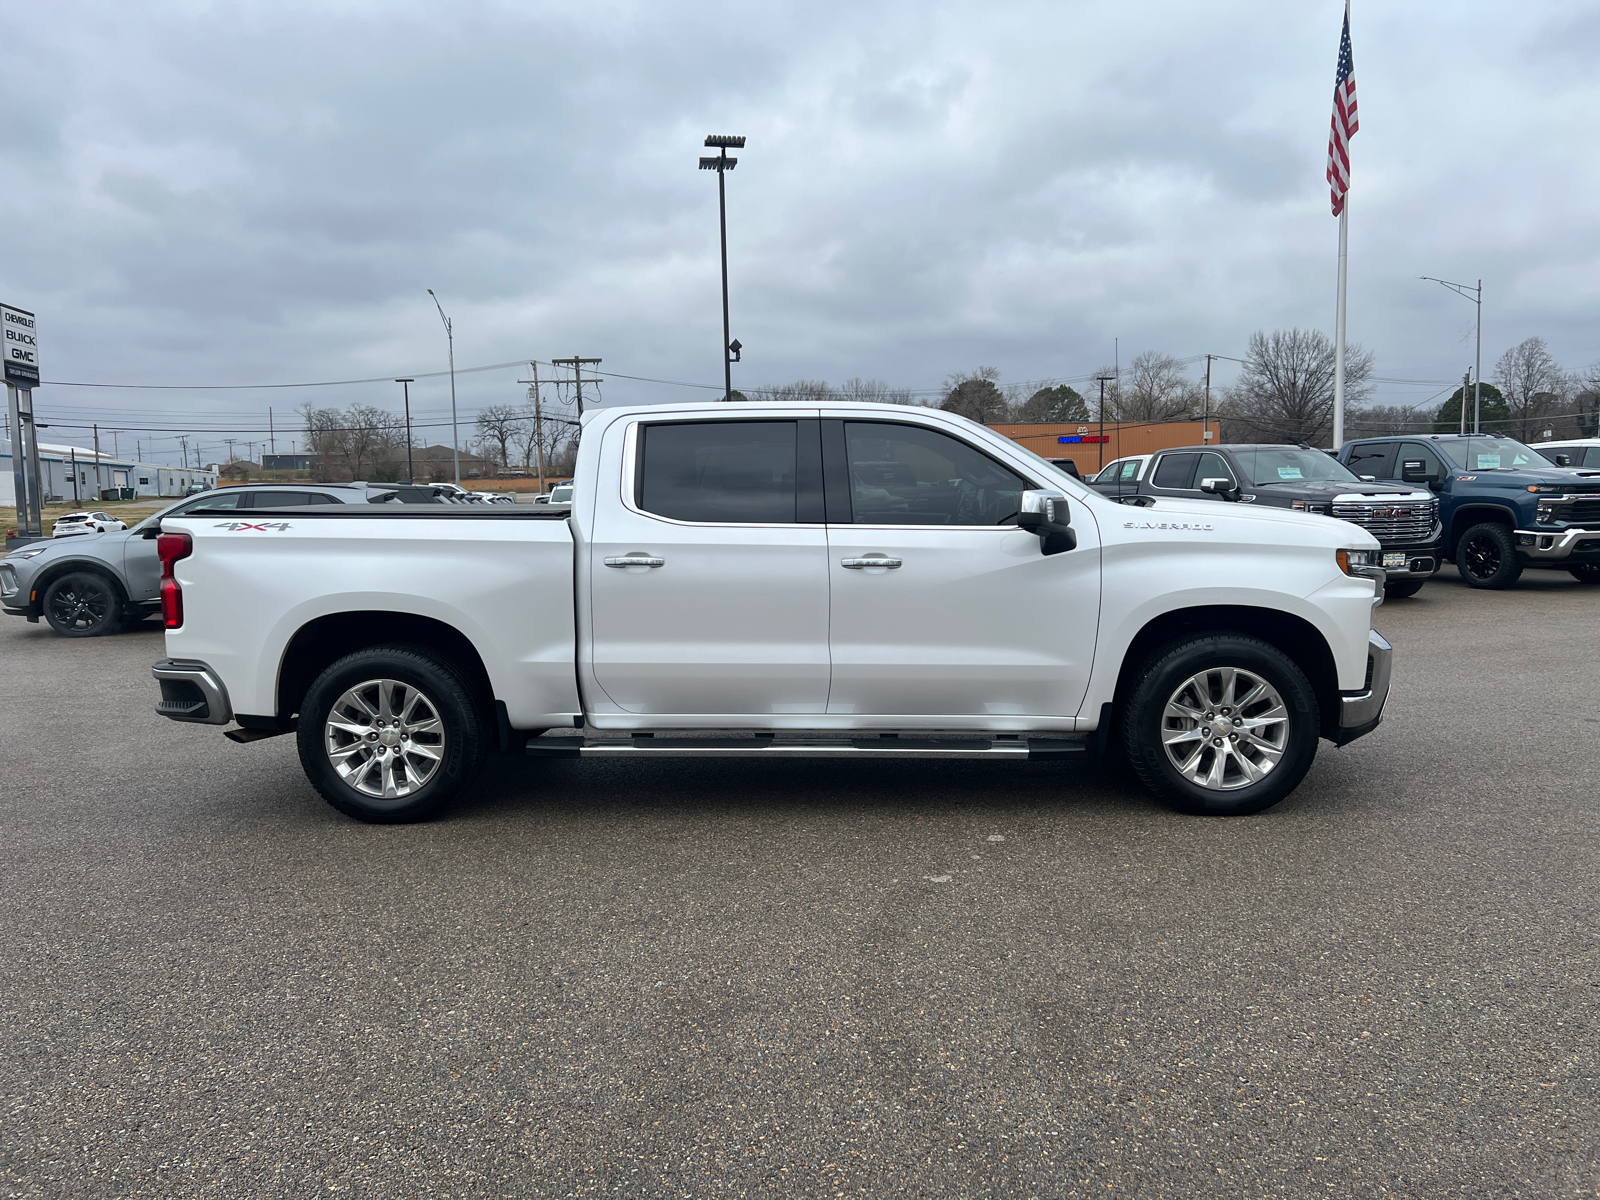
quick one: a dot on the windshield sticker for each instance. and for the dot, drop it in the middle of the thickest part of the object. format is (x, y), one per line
(1290, 473)
(262, 527)
(1487, 462)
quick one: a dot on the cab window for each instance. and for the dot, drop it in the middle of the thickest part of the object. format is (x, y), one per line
(912, 475)
(718, 471)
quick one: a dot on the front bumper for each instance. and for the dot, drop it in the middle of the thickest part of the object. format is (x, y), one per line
(191, 691)
(1360, 712)
(1414, 561)
(1582, 545)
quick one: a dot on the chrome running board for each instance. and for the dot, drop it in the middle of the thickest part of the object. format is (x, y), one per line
(767, 746)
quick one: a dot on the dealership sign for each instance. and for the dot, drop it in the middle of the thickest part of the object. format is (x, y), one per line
(21, 347)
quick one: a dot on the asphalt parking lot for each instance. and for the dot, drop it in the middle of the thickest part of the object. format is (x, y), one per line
(730, 979)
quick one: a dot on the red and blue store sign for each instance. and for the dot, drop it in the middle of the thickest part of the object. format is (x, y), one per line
(1068, 441)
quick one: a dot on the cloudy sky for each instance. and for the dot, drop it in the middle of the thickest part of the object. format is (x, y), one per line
(262, 193)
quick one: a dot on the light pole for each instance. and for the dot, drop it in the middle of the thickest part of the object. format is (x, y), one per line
(411, 471)
(455, 435)
(1102, 380)
(722, 164)
(1476, 296)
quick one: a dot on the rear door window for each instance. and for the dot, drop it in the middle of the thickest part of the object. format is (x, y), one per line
(1376, 460)
(1175, 471)
(718, 471)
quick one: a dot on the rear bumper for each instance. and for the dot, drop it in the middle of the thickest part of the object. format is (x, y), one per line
(192, 692)
(1360, 712)
(1575, 545)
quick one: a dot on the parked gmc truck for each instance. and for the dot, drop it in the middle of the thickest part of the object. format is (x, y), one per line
(779, 581)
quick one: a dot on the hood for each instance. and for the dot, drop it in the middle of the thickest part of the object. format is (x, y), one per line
(1574, 478)
(1298, 528)
(1327, 489)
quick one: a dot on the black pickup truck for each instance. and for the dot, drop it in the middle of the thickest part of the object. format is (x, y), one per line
(1404, 519)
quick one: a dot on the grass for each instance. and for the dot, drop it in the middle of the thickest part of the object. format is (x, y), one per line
(130, 512)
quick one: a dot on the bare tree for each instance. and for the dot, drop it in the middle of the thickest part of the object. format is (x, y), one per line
(1534, 385)
(977, 395)
(547, 429)
(499, 425)
(1155, 387)
(874, 391)
(1389, 420)
(801, 391)
(351, 443)
(1285, 390)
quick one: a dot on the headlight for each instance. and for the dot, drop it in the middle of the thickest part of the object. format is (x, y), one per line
(1545, 514)
(29, 552)
(1356, 562)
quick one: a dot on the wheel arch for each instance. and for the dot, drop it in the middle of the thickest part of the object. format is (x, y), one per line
(320, 642)
(55, 571)
(1477, 513)
(1296, 637)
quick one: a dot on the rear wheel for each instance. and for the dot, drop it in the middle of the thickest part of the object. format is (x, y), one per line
(1586, 572)
(1486, 556)
(1402, 589)
(389, 734)
(1222, 725)
(82, 604)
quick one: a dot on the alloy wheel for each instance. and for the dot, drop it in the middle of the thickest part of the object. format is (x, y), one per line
(1225, 728)
(384, 738)
(80, 607)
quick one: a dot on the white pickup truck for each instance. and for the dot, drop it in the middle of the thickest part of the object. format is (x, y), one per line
(780, 580)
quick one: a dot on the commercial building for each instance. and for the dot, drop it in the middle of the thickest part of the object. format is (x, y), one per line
(1081, 440)
(71, 475)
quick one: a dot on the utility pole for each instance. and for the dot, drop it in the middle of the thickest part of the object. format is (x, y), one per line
(577, 364)
(538, 421)
(1466, 382)
(455, 432)
(183, 450)
(73, 454)
(97, 484)
(405, 384)
(1103, 380)
(722, 164)
(272, 436)
(1205, 417)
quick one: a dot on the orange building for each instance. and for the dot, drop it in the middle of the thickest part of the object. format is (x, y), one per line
(1080, 440)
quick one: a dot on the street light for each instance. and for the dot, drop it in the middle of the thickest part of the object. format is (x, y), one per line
(1476, 297)
(455, 434)
(722, 164)
(411, 471)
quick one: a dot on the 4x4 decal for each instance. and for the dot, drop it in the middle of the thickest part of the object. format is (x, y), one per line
(263, 526)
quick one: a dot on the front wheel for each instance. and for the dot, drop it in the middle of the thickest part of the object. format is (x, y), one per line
(1586, 572)
(388, 734)
(1486, 556)
(1222, 725)
(82, 604)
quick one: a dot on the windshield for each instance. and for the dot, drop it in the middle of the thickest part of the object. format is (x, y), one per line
(1493, 454)
(562, 491)
(1275, 464)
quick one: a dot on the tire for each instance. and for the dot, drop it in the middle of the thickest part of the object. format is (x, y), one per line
(1486, 556)
(1278, 757)
(1404, 589)
(407, 771)
(83, 604)
(1586, 572)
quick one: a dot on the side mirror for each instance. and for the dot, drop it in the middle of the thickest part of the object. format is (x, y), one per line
(1563, 460)
(1415, 470)
(1220, 487)
(1050, 516)
(1369, 479)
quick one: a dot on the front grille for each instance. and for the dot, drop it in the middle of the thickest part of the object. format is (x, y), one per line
(1392, 522)
(1583, 512)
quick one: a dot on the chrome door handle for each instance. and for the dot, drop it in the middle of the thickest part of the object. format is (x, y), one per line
(857, 564)
(634, 560)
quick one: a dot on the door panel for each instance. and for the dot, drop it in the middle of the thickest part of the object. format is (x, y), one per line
(734, 619)
(975, 623)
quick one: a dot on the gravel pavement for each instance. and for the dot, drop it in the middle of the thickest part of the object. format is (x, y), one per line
(666, 979)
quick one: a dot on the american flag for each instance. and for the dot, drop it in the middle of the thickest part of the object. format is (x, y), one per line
(1345, 123)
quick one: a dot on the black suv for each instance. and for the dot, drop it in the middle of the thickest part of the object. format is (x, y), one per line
(1404, 519)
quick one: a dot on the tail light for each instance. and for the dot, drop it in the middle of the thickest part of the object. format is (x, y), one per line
(170, 547)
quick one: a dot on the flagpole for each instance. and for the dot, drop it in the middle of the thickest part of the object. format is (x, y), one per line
(1338, 325)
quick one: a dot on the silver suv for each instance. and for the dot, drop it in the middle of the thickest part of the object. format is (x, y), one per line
(94, 583)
